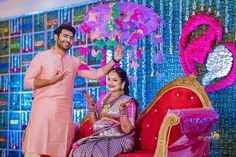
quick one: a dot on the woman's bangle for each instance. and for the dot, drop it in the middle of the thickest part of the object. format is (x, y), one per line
(92, 109)
(115, 60)
(122, 112)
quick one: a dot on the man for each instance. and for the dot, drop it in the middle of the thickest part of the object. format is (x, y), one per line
(51, 73)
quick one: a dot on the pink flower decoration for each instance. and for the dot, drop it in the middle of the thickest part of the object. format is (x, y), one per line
(118, 38)
(93, 17)
(84, 28)
(160, 21)
(94, 53)
(131, 55)
(134, 64)
(135, 37)
(118, 22)
(158, 58)
(133, 78)
(103, 62)
(143, 28)
(135, 15)
(131, 23)
(139, 53)
(84, 51)
(157, 39)
(95, 35)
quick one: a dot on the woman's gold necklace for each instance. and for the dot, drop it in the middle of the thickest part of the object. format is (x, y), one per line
(108, 104)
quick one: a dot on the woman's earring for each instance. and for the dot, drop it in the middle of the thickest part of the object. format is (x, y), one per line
(122, 90)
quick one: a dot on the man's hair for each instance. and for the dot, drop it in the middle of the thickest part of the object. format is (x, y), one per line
(57, 31)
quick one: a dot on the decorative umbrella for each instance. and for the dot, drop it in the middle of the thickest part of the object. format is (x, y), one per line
(121, 23)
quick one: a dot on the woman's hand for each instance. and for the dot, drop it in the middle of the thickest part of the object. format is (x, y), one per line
(125, 123)
(124, 105)
(91, 107)
(89, 99)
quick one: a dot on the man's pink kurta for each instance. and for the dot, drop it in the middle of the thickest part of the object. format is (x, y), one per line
(51, 130)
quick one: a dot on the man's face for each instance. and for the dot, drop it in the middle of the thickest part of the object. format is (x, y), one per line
(64, 40)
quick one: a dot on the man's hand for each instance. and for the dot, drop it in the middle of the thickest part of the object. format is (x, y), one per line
(58, 77)
(39, 83)
(118, 53)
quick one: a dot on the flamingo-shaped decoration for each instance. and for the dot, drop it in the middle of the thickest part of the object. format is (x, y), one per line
(196, 50)
(220, 61)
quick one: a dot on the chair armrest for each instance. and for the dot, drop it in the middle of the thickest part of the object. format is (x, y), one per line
(163, 136)
(195, 122)
(85, 128)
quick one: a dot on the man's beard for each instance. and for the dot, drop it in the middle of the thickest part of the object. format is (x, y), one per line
(60, 45)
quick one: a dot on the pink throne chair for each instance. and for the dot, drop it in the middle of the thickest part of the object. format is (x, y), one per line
(167, 126)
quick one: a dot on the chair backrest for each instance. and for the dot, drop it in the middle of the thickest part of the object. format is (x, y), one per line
(181, 93)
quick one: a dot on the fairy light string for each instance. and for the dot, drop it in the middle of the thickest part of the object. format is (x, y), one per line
(152, 48)
(226, 16)
(210, 5)
(202, 4)
(194, 7)
(187, 10)
(235, 21)
(170, 26)
(144, 69)
(218, 8)
(161, 27)
(136, 75)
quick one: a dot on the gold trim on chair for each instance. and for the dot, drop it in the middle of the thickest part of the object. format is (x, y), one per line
(84, 119)
(163, 136)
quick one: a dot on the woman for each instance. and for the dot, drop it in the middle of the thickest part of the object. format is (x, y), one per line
(112, 119)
